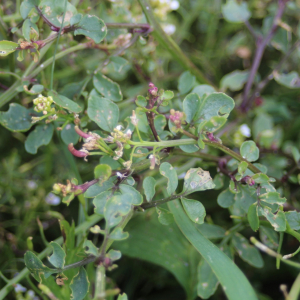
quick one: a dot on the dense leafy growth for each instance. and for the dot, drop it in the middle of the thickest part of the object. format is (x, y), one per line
(166, 143)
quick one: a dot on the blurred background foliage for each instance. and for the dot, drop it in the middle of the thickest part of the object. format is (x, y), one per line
(216, 47)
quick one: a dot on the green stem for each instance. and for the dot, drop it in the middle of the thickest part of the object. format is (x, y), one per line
(100, 283)
(295, 290)
(170, 44)
(174, 143)
(279, 249)
(270, 252)
(56, 46)
(292, 232)
(78, 230)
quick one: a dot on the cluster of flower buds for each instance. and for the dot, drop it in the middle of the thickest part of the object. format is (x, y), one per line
(177, 117)
(152, 89)
(118, 136)
(43, 104)
(163, 7)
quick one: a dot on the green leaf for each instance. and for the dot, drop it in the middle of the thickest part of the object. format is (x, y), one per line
(245, 197)
(214, 104)
(190, 106)
(122, 297)
(167, 95)
(218, 181)
(188, 148)
(262, 123)
(108, 88)
(161, 245)
(141, 101)
(226, 199)
(236, 12)
(194, 209)
(57, 259)
(96, 189)
(149, 184)
(26, 6)
(115, 208)
(17, 118)
(100, 201)
(104, 112)
(36, 267)
(260, 178)
(247, 252)
(118, 63)
(102, 172)
(164, 216)
(242, 167)
(136, 197)
(69, 135)
(65, 102)
(117, 234)
(108, 160)
(249, 151)
(290, 80)
(41, 135)
(169, 172)
(269, 237)
(35, 89)
(211, 231)
(203, 89)
(293, 218)
(197, 180)
(54, 10)
(252, 216)
(90, 26)
(214, 124)
(90, 248)
(278, 221)
(186, 82)
(160, 123)
(7, 47)
(232, 279)
(207, 280)
(68, 232)
(296, 154)
(114, 254)
(30, 30)
(272, 197)
(79, 285)
(234, 80)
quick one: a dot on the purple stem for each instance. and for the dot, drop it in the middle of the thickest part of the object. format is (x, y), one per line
(261, 46)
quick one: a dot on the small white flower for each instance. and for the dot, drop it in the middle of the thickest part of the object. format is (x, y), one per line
(119, 127)
(174, 5)
(169, 29)
(245, 130)
(20, 288)
(134, 119)
(52, 199)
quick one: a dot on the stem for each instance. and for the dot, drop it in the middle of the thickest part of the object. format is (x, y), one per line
(56, 46)
(83, 262)
(270, 252)
(100, 283)
(79, 229)
(128, 25)
(267, 79)
(170, 44)
(279, 249)
(159, 202)
(295, 290)
(261, 46)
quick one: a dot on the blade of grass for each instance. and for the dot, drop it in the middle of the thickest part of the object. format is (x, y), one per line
(170, 44)
(234, 282)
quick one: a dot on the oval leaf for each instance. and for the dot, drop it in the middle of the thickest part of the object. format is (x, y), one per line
(79, 285)
(249, 151)
(57, 259)
(104, 112)
(169, 172)
(194, 209)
